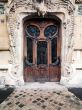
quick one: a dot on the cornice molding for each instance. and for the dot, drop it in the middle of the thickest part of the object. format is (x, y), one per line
(48, 4)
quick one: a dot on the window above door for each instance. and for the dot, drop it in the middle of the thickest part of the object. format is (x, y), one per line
(47, 32)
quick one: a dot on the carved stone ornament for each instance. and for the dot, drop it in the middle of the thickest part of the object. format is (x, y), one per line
(45, 5)
(28, 7)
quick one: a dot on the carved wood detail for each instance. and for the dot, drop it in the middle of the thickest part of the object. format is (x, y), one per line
(51, 73)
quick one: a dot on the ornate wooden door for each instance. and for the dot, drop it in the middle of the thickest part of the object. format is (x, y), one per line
(41, 51)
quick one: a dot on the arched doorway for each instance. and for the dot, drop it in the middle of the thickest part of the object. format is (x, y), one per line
(42, 50)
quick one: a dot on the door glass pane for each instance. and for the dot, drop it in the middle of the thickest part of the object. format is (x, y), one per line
(50, 31)
(54, 49)
(32, 31)
(29, 50)
(42, 52)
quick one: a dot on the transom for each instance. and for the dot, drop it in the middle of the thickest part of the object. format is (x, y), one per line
(41, 29)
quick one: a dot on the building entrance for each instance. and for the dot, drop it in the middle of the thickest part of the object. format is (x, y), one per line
(42, 51)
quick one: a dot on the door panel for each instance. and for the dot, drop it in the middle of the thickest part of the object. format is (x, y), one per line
(54, 72)
(36, 74)
(42, 73)
(42, 62)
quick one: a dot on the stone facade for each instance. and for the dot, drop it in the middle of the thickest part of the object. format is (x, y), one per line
(12, 15)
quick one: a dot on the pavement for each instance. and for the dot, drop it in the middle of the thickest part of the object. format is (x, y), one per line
(41, 96)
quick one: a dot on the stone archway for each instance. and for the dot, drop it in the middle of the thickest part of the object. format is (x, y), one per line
(18, 13)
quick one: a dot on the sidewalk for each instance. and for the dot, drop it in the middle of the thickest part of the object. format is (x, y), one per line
(41, 97)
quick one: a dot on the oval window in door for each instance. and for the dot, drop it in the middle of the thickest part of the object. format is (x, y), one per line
(32, 31)
(50, 31)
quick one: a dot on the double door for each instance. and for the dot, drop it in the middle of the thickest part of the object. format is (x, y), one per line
(42, 51)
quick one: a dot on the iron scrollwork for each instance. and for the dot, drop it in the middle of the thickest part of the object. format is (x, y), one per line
(27, 63)
(57, 62)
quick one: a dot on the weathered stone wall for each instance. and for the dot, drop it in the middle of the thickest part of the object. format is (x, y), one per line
(76, 76)
(4, 44)
(4, 39)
